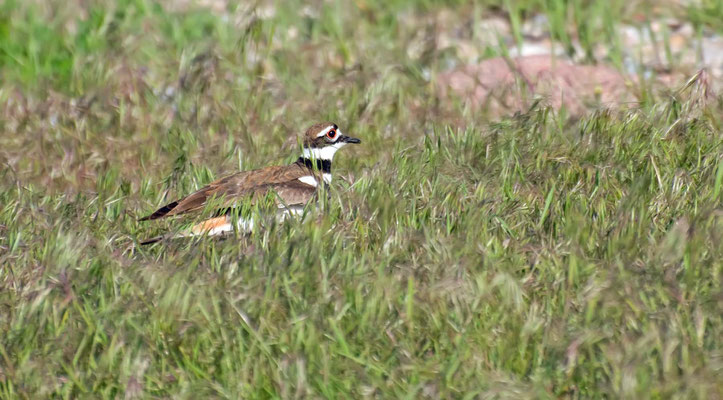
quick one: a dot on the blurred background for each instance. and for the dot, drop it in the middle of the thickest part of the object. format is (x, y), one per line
(535, 211)
(133, 70)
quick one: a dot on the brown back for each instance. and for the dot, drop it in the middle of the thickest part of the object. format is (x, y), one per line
(283, 179)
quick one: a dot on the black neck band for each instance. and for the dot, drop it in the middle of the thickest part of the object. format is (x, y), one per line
(321, 165)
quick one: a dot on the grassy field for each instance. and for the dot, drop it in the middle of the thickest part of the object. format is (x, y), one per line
(532, 256)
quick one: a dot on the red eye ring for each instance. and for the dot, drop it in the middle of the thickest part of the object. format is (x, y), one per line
(331, 134)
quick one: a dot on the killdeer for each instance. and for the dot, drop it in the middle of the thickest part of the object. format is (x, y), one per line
(293, 185)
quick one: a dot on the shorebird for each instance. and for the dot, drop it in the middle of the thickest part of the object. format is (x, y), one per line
(293, 186)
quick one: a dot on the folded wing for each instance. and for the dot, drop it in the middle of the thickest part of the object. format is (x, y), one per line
(282, 179)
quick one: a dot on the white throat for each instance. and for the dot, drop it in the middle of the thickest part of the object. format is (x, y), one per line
(324, 153)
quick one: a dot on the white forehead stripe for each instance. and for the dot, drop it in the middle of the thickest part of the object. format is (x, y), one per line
(326, 130)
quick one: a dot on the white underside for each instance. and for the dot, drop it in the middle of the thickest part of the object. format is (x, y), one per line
(311, 180)
(246, 225)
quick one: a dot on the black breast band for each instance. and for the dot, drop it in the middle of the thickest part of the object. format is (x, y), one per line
(321, 165)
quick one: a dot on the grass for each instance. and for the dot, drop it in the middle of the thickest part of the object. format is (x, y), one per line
(532, 256)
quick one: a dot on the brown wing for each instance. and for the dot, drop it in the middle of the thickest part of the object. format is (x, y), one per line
(293, 193)
(238, 185)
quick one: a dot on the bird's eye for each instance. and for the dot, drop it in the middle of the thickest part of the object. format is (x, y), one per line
(331, 134)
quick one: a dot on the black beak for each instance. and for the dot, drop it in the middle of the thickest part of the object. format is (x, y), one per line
(349, 139)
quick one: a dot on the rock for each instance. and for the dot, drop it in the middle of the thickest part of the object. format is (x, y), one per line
(503, 86)
(490, 30)
(536, 28)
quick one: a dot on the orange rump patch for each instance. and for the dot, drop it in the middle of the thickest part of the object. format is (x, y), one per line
(209, 224)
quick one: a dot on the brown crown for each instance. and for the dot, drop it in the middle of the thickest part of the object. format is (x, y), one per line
(310, 139)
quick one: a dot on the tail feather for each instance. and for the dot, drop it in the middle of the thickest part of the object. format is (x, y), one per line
(161, 212)
(153, 240)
